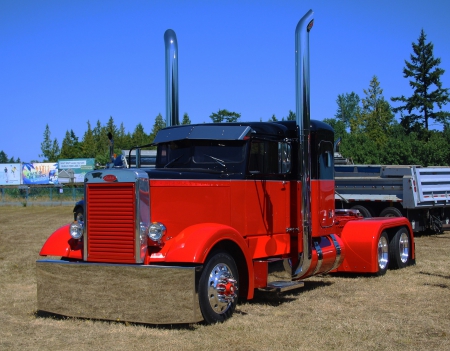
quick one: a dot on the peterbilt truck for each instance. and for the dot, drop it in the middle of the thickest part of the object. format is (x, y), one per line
(183, 241)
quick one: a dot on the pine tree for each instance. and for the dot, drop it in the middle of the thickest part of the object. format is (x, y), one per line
(70, 147)
(425, 74)
(348, 109)
(376, 115)
(186, 119)
(291, 116)
(157, 126)
(139, 137)
(3, 157)
(88, 143)
(224, 116)
(50, 149)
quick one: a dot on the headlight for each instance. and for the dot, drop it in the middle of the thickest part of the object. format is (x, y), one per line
(156, 231)
(76, 230)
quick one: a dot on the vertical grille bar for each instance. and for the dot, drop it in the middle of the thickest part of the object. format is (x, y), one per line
(111, 222)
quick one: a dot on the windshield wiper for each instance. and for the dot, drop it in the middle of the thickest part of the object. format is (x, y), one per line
(172, 161)
(218, 160)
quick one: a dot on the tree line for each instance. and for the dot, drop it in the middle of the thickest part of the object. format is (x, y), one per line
(370, 133)
(367, 128)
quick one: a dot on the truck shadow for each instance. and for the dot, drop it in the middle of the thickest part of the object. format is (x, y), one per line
(53, 316)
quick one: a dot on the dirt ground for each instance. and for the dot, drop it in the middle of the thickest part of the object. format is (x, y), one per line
(406, 309)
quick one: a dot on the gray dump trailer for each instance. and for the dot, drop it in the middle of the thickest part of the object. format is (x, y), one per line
(421, 194)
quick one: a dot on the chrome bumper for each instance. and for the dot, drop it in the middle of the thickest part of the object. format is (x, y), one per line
(134, 293)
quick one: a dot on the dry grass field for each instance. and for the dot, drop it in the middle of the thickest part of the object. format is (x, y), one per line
(407, 309)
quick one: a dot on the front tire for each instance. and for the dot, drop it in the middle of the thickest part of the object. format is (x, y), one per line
(218, 288)
(399, 249)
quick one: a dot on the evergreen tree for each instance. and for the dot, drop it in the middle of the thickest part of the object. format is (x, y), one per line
(273, 119)
(338, 126)
(224, 116)
(376, 116)
(139, 137)
(291, 116)
(425, 75)
(157, 126)
(70, 147)
(101, 143)
(3, 157)
(88, 143)
(186, 119)
(348, 109)
(50, 149)
(111, 127)
(122, 139)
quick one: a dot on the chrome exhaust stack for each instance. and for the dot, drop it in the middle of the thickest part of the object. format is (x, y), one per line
(302, 110)
(171, 45)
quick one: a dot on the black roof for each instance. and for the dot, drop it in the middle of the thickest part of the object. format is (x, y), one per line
(234, 131)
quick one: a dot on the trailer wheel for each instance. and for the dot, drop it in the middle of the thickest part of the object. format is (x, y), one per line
(218, 288)
(399, 249)
(363, 210)
(383, 254)
(391, 212)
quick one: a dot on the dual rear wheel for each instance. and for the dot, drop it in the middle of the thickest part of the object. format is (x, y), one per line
(395, 252)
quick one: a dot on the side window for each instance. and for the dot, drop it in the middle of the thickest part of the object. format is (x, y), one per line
(326, 160)
(269, 157)
(284, 157)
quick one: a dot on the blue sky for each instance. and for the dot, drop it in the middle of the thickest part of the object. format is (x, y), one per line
(66, 62)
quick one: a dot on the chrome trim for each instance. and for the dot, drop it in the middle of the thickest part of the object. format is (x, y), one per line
(222, 288)
(383, 252)
(403, 246)
(142, 214)
(302, 104)
(134, 293)
(339, 258)
(171, 45)
(319, 257)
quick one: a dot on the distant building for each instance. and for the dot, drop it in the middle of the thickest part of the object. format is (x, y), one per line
(66, 176)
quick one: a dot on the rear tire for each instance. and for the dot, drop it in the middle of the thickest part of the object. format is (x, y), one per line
(218, 288)
(391, 212)
(399, 249)
(383, 254)
(363, 210)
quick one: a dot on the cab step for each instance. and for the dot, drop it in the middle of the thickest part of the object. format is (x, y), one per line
(282, 286)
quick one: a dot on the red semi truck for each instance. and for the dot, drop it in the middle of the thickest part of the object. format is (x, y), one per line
(183, 241)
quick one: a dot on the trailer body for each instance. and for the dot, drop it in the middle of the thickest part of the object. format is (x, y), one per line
(421, 194)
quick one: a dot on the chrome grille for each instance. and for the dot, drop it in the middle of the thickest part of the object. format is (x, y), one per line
(111, 223)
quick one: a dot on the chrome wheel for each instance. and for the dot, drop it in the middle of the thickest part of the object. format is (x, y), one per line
(222, 288)
(403, 246)
(383, 253)
(399, 248)
(218, 288)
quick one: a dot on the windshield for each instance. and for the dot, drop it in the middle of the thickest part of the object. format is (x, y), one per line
(220, 155)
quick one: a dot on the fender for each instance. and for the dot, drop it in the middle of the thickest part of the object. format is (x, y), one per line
(60, 243)
(361, 237)
(194, 244)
